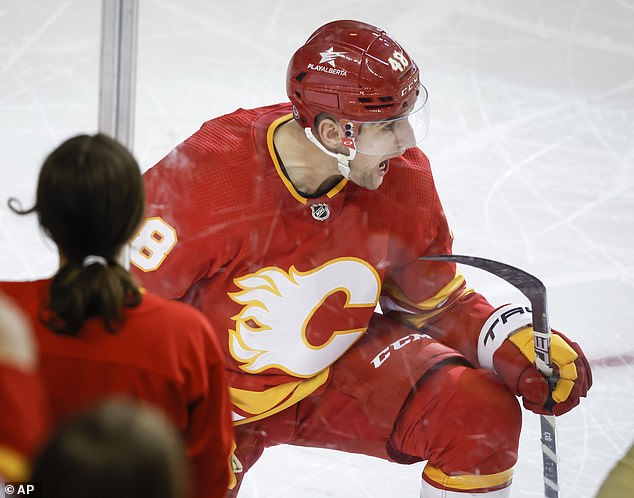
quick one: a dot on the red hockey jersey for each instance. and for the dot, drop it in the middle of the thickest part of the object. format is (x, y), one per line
(288, 281)
(164, 354)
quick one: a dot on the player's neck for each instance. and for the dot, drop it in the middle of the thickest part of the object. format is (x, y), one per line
(309, 169)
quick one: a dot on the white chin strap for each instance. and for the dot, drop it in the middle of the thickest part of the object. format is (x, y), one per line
(342, 160)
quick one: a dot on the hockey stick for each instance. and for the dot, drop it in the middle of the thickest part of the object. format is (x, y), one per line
(535, 291)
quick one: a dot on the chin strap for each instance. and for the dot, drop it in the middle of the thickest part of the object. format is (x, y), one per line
(342, 160)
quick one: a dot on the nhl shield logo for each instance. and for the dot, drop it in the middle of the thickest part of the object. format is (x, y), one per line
(320, 212)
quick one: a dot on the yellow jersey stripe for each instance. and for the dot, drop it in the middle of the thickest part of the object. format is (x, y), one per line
(418, 320)
(234, 466)
(266, 403)
(433, 302)
(467, 482)
(287, 183)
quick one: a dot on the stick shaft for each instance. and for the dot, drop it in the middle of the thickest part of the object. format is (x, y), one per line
(535, 291)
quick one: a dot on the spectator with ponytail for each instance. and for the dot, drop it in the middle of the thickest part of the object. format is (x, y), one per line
(98, 333)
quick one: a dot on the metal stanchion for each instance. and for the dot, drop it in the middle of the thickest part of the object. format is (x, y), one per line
(119, 27)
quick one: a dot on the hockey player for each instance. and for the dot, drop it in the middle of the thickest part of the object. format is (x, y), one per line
(287, 224)
(97, 333)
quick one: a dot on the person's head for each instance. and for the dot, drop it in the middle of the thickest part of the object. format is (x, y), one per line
(90, 200)
(119, 449)
(358, 95)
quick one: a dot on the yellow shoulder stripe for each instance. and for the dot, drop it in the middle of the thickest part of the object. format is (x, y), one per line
(418, 320)
(433, 302)
(467, 482)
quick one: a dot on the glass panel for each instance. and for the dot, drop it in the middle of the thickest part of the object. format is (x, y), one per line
(531, 132)
(49, 80)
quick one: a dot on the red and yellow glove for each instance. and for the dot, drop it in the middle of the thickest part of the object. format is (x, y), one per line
(506, 345)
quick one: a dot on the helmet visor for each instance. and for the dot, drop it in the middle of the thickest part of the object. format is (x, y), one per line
(390, 137)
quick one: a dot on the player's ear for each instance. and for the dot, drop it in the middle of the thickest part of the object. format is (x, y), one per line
(328, 132)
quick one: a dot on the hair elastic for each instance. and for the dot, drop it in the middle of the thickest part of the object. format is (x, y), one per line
(92, 259)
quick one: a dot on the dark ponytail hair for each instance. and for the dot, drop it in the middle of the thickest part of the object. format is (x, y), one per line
(90, 200)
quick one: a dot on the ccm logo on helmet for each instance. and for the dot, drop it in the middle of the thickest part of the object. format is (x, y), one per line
(380, 358)
(409, 88)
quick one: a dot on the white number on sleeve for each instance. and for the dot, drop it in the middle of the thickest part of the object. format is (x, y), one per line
(153, 243)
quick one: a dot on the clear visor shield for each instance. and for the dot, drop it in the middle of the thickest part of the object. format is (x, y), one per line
(391, 137)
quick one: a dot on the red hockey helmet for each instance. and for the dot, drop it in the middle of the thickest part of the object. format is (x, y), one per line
(354, 72)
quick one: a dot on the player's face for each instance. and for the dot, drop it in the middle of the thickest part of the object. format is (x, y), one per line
(379, 142)
(386, 137)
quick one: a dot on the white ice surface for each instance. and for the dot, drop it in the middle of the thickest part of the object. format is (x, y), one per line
(531, 142)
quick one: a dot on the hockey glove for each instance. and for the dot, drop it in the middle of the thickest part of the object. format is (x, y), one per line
(506, 345)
